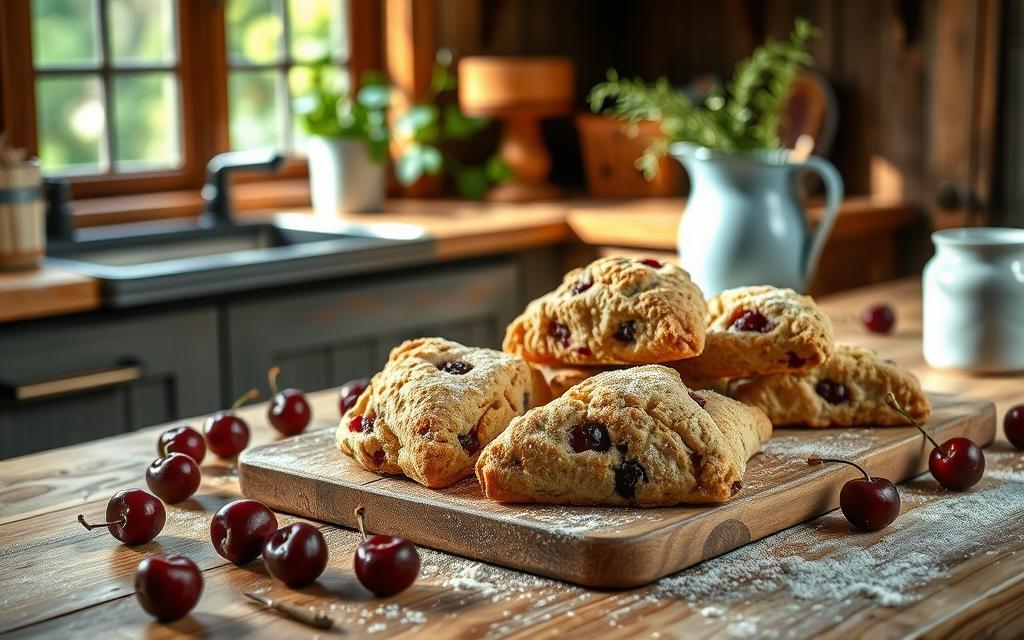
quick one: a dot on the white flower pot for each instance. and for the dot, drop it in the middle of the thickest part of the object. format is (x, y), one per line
(343, 177)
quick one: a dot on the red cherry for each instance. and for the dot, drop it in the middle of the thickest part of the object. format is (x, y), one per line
(870, 504)
(173, 478)
(386, 565)
(288, 411)
(182, 439)
(350, 392)
(296, 555)
(958, 464)
(226, 433)
(1013, 426)
(878, 318)
(133, 517)
(168, 588)
(240, 528)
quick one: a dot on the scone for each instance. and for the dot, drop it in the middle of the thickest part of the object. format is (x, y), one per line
(758, 331)
(614, 311)
(634, 436)
(848, 390)
(433, 406)
(561, 379)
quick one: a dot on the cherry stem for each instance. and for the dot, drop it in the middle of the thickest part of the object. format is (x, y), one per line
(122, 521)
(890, 399)
(167, 448)
(813, 460)
(251, 394)
(272, 378)
(360, 518)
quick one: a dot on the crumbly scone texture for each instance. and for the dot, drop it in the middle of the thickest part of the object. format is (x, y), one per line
(800, 335)
(678, 450)
(562, 378)
(614, 311)
(416, 419)
(792, 399)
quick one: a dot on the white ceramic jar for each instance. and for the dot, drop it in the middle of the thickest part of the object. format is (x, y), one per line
(974, 300)
(343, 177)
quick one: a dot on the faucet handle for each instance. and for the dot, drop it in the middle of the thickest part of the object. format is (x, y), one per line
(215, 191)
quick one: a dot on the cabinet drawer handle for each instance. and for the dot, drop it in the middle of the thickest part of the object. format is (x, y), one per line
(68, 384)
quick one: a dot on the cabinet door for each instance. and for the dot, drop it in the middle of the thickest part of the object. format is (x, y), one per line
(325, 337)
(70, 380)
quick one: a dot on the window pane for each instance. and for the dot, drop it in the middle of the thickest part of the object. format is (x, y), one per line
(65, 32)
(146, 111)
(141, 31)
(255, 30)
(317, 29)
(255, 105)
(71, 124)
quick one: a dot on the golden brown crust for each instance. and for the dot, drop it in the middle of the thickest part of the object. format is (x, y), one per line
(561, 379)
(792, 399)
(686, 453)
(656, 311)
(800, 337)
(419, 412)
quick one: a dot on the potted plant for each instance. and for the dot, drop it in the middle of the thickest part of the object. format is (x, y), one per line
(348, 142)
(422, 133)
(743, 223)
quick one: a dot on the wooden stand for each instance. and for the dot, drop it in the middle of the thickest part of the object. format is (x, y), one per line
(520, 92)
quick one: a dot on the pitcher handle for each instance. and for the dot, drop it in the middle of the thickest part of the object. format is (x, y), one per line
(833, 198)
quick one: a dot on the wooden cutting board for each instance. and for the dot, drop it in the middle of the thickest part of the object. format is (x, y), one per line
(612, 547)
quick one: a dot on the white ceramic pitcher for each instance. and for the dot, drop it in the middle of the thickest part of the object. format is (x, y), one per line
(743, 223)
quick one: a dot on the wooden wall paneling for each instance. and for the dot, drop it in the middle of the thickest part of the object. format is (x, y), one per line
(17, 80)
(365, 38)
(986, 98)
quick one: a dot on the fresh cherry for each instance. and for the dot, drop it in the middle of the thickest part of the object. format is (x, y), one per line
(133, 517)
(878, 318)
(870, 504)
(168, 588)
(748, 320)
(1013, 426)
(350, 392)
(958, 464)
(226, 433)
(173, 478)
(589, 436)
(296, 555)
(288, 411)
(240, 528)
(182, 439)
(386, 565)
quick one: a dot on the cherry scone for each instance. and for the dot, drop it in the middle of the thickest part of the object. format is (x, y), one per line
(433, 406)
(849, 389)
(614, 311)
(634, 436)
(760, 330)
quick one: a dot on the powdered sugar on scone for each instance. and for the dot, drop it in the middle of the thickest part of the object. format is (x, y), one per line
(614, 311)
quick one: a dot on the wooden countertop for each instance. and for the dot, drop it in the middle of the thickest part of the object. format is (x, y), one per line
(59, 580)
(469, 229)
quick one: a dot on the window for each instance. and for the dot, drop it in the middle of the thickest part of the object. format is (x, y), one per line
(106, 85)
(133, 96)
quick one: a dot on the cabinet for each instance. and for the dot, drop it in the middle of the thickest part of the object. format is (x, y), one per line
(324, 337)
(69, 380)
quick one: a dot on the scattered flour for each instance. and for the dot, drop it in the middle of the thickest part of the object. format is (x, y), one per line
(574, 522)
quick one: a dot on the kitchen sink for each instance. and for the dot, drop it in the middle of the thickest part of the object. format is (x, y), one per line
(155, 262)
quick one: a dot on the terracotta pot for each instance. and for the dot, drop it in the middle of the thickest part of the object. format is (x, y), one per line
(609, 157)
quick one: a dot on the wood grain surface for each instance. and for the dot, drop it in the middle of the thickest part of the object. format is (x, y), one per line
(59, 581)
(606, 548)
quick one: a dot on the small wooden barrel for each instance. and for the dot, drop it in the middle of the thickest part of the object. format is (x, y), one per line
(22, 217)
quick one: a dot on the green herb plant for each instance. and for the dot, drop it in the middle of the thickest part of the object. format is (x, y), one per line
(427, 127)
(331, 112)
(742, 117)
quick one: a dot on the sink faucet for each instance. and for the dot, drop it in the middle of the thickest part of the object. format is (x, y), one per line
(216, 192)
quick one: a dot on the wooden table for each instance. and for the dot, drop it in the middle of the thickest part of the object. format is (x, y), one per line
(819, 578)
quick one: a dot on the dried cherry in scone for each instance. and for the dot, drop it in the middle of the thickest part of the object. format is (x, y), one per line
(455, 367)
(561, 333)
(749, 320)
(626, 332)
(581, 286)
(627, 476)
(698, 399)
(832, 391)
(589, 436)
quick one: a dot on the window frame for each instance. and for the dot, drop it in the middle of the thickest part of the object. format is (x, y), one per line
(203, 84)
